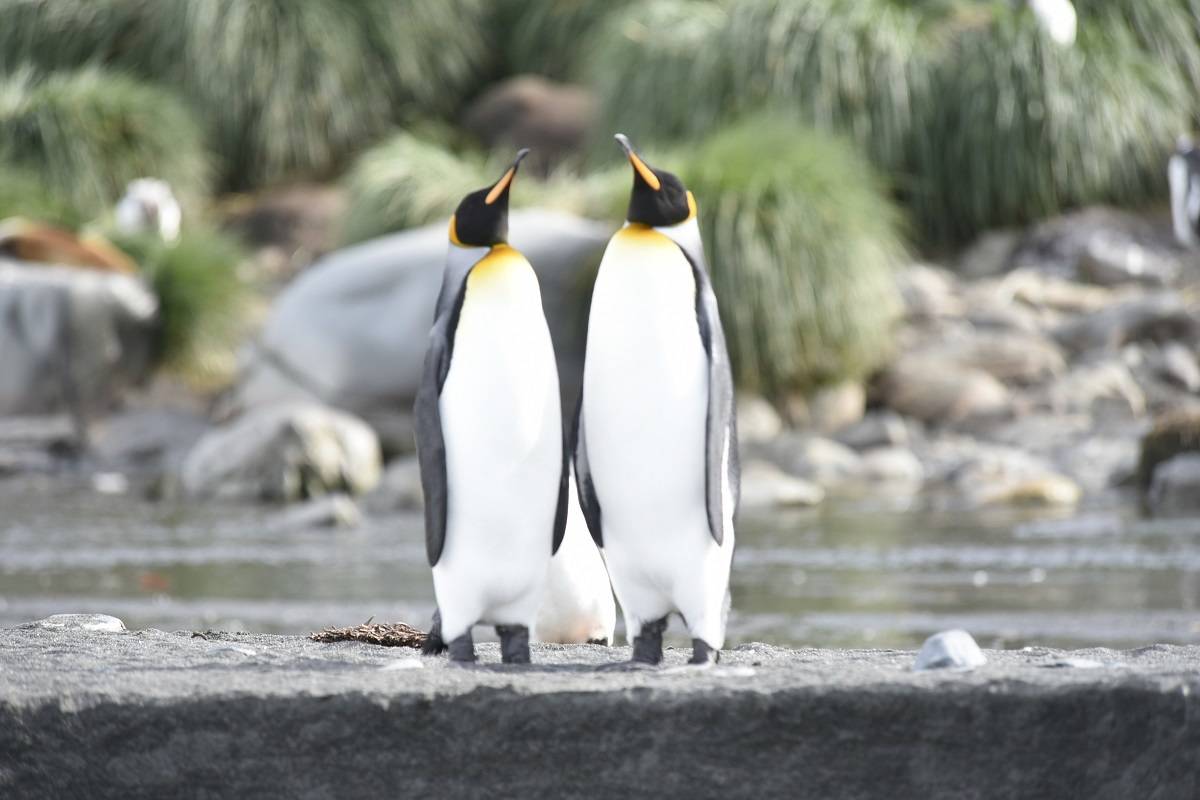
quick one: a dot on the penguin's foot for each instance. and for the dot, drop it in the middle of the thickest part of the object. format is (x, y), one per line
(602, 642)
(462, 650)
(433, 644)
(647, 645)
(703, 655)
(514, 643)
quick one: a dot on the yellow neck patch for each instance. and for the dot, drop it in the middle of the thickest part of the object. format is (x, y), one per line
(500, 262)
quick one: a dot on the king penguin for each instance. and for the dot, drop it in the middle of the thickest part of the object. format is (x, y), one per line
(656, 437)
(490, 440)
(578, 606)
(1183, 173)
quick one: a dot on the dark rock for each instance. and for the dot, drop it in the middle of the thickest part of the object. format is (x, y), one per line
(151, 714)
(933, 392)
(1175, 487)
(1113, 260)
(876, 429)
(1173, 434)
(1156, 318)
(553, 119)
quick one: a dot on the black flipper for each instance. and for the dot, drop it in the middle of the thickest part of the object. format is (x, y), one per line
(588, 501)
(722, 414)
(560, 513)
(431, 446)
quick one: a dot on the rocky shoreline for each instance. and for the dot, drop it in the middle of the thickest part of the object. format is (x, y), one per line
(93, 710)
(1027, 375)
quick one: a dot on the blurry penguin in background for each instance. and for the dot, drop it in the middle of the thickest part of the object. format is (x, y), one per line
(578, 606)
(656, 440)
(149, 206)
(1057, 18)
(1183, 173)
(489, 436)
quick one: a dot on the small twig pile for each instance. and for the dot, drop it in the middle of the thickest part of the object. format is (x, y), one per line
(395, 635)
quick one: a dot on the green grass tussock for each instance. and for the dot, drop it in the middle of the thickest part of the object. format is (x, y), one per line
(417, 177)
(801, 248)
(977, 119)
(545, 36)
(22, 194)
(1024, 129)
(201, 299)
(284, 87)
(86, 134)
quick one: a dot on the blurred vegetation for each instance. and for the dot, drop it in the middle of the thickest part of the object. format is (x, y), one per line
(977, 118)
(22, 194)
(200, 299)
(808, 129)
(86, 134)
(415, 178)
(801, 248)
(285, 87)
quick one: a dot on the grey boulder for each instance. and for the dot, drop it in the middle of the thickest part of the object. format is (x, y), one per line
(284, 453)
(351, 331)
(74, 339)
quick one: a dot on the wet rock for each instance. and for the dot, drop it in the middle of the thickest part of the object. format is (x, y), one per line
(1012, 357)
(553, 119)
(1159, 318)
(100, 623)
(815, 458)
(1104, 388)
(1174, 434)
(399, 489)
(832, 408)
(1111, 259)
(74, 339)
(1048, 293)
(1058, 245)
(332, 511)
(1178, 365)
(766, 486)
(757, 419)
(989, 475)
(954, 649)
(929, 292)
(315, 346)
(876, 429)
(895, 465)
(991, 254)
(286, 453)
(1175, 487)
(147, 440)
(926, 389)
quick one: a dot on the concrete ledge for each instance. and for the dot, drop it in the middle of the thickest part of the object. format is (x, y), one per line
(153, 714)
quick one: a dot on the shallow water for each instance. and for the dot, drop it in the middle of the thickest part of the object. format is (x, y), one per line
(852, 573)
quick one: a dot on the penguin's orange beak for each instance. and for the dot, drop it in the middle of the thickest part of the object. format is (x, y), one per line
(644, 171)
(506, 179)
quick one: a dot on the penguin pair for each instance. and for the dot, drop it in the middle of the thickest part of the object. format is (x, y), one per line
(654, 443)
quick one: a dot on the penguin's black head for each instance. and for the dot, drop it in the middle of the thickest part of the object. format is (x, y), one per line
(658, 196)
(481, 219)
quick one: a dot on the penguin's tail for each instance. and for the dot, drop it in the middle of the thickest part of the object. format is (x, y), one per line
(433, 644)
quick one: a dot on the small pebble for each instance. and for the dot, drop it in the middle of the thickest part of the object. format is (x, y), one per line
(954, 649)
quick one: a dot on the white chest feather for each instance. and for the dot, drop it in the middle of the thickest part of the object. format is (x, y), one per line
(645, 379)
(501, 418)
